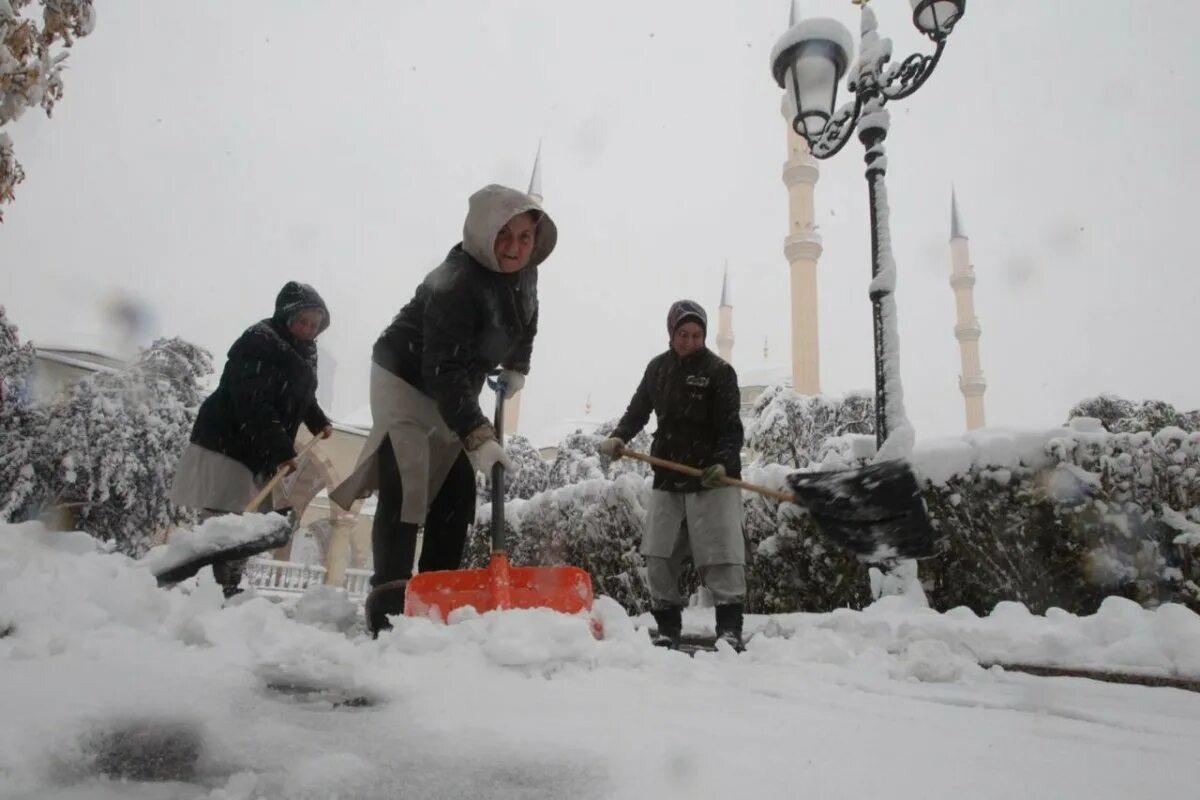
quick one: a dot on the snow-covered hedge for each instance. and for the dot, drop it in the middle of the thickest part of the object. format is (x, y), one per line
(1066, 518)
(1061, 517)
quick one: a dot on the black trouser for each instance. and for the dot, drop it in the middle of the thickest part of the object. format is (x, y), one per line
(394, 543)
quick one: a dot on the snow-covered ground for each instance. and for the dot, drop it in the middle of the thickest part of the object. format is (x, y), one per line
(100, 671)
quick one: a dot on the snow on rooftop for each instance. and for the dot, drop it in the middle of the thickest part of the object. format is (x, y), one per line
(769, 375)
(81, 358)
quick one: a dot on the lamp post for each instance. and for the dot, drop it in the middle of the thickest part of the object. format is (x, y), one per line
(808, 62)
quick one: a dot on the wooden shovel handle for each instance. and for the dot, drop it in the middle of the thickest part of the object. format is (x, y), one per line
(271, 484)
(775, 494)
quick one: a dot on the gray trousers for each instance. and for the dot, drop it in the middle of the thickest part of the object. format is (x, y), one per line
(707, 526)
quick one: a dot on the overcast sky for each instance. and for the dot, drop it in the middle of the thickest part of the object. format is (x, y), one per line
(207, 152)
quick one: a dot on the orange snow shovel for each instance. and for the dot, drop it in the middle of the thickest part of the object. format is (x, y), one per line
(500, 585)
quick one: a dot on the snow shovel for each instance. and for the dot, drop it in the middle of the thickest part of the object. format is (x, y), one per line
(874, 511)
(500, 585)
(194, 553)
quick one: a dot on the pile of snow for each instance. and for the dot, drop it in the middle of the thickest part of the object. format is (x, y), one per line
(101, 673)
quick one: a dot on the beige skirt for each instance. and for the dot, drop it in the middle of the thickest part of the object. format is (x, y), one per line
(206, 479)
(424, 446)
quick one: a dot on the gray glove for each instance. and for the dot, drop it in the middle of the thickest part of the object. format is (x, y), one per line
(612, 447)
(513, 382)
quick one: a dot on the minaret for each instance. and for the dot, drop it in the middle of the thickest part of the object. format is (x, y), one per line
(962, 280)
(535, 180)
(512, 406)
(802, 246)
(725, 321)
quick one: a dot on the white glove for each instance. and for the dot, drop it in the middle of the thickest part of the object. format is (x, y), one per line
(513, 382)
(482, 458)
(612, 447)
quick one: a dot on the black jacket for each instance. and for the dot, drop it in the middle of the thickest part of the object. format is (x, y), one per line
(268, 387)
(463, 321)
(698, 404)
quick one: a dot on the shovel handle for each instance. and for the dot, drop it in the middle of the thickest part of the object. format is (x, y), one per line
(271, 484)
(498, 543)
(774, 494)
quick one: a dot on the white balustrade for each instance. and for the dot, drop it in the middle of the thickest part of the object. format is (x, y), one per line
(357, 582)
(282, 577)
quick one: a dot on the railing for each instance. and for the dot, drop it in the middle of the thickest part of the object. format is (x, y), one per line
(357, 582)
(282, 577)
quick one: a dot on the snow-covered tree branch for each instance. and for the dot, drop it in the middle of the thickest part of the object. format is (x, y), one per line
(32, 53)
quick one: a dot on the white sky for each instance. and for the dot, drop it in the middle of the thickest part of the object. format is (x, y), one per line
(205, 153)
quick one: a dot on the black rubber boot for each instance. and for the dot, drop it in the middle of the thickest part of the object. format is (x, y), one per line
(729, 624)
(670, 626)
(229, 575)
(384, 600)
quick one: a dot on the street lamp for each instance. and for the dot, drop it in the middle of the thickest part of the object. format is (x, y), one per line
(808, 62)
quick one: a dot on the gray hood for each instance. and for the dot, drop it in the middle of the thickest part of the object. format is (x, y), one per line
(489, 210)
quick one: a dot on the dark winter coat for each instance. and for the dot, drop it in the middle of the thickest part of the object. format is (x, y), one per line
(697, 402)
(467, 317)
(268, 387)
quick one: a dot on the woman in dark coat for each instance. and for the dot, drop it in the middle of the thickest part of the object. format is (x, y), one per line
(246, 429)
(477, 311)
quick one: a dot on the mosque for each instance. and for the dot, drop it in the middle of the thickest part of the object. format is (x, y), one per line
(802, 249)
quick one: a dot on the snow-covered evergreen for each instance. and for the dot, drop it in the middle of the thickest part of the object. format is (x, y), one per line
(111, 443)
(21, 422)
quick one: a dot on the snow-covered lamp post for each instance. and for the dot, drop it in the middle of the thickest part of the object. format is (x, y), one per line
(808, 62)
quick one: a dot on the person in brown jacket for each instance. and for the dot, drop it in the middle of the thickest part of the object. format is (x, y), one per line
(695, 397)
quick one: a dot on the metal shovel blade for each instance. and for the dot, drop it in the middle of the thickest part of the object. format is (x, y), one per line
(875, 511)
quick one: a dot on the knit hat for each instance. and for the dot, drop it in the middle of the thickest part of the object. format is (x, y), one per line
(686, 311)
(294, 298)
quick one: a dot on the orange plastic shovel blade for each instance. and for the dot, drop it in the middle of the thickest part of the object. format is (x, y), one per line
(436, 594)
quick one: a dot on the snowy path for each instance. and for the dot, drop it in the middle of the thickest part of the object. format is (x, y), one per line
(528, 705)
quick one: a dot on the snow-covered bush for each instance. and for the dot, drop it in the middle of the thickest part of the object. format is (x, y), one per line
(530, 473)
(595, 524)
(1097, 514)
(111, 443)
(1119, 415)
(31, 64)
(578, 459)
(789, 566)
(528, 476)
(789, 428)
